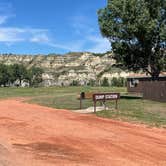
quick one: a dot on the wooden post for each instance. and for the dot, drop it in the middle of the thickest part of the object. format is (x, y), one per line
(116, 106)
(94, 106)
(104, 105)
(80, 102)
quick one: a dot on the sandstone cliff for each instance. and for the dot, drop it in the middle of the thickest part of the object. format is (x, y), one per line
(64, 69)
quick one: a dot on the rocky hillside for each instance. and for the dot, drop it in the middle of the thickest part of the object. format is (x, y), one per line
(82, 68)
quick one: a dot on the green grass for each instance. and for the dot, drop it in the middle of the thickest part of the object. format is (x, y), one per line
(56, 97)
(138, 110)
(130, 109)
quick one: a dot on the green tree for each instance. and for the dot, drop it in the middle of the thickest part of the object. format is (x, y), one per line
(74, 83)
(34, 76)
(105, 82)
(91, 82)
(118, 82)
(10, 71)
(6, 75)
(137, 32)
(4, 78)
(19, 72)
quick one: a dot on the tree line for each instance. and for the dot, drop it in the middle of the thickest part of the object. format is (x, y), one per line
(115, 82)
(14, 75)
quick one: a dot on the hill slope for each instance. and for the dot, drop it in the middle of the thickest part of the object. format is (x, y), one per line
(64, 69)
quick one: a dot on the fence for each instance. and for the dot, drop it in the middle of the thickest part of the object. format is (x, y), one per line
(153, 90)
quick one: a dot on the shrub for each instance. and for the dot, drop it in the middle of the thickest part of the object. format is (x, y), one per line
(105, 82)
(118, 82)
(74, 83)
(91, 82)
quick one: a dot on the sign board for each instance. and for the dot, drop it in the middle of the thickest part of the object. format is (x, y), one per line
(103, 97)
(106, 96)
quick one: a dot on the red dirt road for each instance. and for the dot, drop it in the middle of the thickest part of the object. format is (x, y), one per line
(32, 135)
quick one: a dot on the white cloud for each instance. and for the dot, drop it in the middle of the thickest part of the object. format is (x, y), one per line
(97, 45)
(14, 34)
(10, 35)
(6, 12)
(43, 38)
(3, 19)
(81, 25)
(86, 29)
(87, 37)
(40, 38)
(72, 46)
(100, 45)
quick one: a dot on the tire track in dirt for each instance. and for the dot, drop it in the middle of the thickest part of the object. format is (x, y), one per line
(33, 135)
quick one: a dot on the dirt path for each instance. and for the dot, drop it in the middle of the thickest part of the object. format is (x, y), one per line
(32, 135)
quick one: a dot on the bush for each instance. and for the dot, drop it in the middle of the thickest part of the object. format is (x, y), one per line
(10, 74)
(91, 82)
(118, 82)
(74, 83)
(34, 76)
(105, 82)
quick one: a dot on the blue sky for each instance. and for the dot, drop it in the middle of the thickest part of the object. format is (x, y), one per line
(50, 26)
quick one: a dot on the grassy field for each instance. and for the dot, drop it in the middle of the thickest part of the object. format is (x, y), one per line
(135, 110)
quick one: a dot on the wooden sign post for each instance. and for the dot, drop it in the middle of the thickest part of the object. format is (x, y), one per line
(104, 97)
